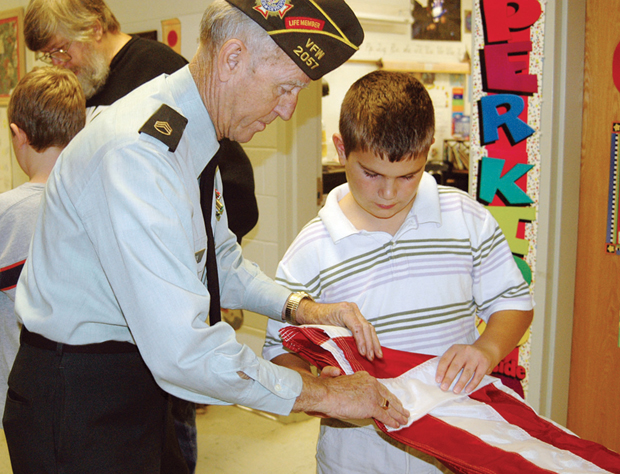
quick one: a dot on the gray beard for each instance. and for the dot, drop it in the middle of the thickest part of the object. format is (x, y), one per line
(93, 74)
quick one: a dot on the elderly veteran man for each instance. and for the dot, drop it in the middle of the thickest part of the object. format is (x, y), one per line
(113, 299)
(85, 37)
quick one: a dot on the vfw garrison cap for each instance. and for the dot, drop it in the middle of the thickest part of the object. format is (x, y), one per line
(319, 35)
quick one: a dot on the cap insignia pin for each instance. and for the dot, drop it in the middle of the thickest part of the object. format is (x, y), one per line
(272, 7)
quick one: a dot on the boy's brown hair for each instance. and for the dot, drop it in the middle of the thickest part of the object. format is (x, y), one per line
(74, 20)
(389, 114)
(48, 104)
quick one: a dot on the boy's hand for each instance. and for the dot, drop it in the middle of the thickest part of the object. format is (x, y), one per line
(503, 331)
(473, 361)
(344, 315)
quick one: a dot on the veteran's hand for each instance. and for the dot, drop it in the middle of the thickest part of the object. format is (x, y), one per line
(344, 315)
(330, 371)
(358, 396)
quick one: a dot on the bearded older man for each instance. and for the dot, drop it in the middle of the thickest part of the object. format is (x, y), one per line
(113, 297)
(85, 37)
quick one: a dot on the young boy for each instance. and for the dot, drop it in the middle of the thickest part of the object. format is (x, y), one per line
(420, 260)
(46, 110)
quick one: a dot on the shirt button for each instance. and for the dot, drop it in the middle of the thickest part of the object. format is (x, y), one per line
(278, 387)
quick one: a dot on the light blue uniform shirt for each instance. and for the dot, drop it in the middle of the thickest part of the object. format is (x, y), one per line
(119, 254)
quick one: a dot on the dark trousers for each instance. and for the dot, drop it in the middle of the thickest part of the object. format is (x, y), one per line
(76, 413)
(184, 416)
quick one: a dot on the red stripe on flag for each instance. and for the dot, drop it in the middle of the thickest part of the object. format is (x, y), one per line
(524, 417)
(301, 343)
(462, 452)
(393, 363)
(348, 347)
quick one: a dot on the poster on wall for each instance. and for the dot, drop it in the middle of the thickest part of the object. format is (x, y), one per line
(12, 52)
(505, 138)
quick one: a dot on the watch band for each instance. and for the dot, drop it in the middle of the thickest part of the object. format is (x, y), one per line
(292, 303)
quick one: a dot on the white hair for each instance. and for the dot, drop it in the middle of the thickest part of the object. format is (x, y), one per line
(223, 21)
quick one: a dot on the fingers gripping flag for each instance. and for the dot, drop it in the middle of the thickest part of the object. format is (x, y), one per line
(491, 430)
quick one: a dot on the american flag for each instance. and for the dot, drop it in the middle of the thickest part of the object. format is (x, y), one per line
(492, 430)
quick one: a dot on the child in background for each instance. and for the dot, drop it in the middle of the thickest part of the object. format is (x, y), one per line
(420, 260)
(46, 110)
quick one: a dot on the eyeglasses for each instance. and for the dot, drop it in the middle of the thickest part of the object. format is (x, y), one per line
(59, 54)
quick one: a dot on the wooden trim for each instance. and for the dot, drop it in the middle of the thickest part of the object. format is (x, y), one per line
(412, 66)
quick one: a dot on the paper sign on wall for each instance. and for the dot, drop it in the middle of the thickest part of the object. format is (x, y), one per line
(171, 33)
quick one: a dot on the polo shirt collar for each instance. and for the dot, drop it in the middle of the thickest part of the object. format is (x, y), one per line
(332, 216)
(425, 209)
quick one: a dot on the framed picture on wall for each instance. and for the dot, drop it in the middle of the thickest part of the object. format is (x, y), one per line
(12, 51)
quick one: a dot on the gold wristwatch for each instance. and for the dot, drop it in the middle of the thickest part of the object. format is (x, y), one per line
(290, 311)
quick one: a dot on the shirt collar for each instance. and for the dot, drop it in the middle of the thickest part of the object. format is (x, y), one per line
(199, 126)
(332, 216)
(425, 209)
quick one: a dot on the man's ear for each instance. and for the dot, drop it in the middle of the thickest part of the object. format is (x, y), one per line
(231, 58)
(21, 138)
(97, 31)
(339, 144)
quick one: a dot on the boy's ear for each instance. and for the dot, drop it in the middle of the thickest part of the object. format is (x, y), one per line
(339, 144)
(230, 57)
(21, 138)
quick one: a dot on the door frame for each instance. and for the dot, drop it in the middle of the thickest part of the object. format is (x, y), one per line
(561, 126)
